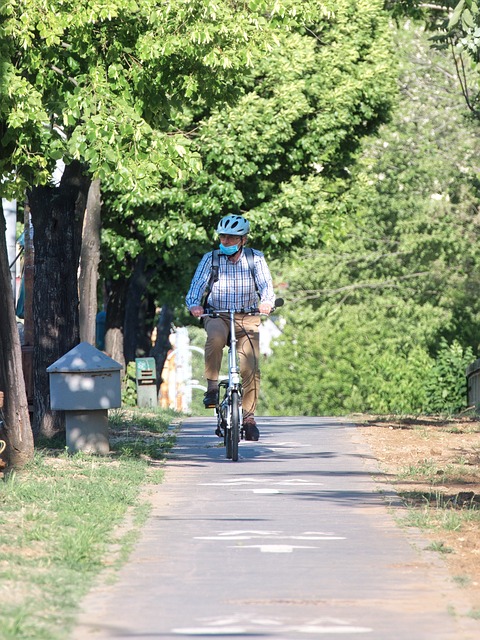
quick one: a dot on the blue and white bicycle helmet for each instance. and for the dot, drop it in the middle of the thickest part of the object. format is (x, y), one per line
(233, 225)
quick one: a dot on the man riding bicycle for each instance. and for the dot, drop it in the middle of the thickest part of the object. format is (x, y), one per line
(233, 283)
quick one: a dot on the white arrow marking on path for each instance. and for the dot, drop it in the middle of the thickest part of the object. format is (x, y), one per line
(210, 631)
(249, 535)
(273, 548)
(232, 481)
(241, 624)
(317, 535)
(331, 630)
(265, 491)
(235, 482)
(255, 532)
(240, 535)
(235, 631)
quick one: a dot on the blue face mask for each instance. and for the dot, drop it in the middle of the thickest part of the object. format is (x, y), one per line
(230, 250)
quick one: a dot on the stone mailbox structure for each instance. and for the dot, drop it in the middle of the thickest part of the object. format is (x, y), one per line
(85, 383)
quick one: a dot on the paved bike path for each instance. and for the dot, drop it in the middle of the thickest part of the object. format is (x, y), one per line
(294, 541)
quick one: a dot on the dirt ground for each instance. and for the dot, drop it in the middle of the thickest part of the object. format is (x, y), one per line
(434, 465)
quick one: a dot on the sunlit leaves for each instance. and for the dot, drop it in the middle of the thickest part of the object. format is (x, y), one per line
(279, 153)
(186, 109)
(385, 317)
(107, 75)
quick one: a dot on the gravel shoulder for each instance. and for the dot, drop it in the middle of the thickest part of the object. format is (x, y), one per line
(433, 464)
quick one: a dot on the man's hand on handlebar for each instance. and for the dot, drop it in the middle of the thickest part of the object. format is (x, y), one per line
(264, 308)
(197, 311)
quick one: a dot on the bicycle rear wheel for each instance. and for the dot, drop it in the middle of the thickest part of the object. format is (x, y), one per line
(234, 431)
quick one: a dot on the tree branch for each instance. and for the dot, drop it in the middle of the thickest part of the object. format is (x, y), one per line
(462, 77)
(435, 7)
(313, 294)
(62, 73)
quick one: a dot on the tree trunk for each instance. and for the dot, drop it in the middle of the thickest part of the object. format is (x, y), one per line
(89, 261)
(162, 343)
(116, 291)
(28, 337)
(135, 295)
(57, 217)
(146, 319)
(16, 430)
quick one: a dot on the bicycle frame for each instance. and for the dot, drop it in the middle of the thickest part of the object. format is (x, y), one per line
(229, 408)
(233, 369)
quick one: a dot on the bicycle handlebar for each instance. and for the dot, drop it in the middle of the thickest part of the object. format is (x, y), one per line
(279, 302)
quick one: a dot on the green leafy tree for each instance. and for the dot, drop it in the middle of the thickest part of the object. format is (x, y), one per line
(281, 153)
(98, 85)
(95, 85)
(378, 305)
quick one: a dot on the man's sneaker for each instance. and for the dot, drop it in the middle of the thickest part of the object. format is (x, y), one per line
(250, 429)
(210, 399)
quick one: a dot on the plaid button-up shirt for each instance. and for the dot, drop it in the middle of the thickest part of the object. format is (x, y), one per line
(235, 288)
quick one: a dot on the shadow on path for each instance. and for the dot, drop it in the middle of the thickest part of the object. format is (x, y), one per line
(291, 542)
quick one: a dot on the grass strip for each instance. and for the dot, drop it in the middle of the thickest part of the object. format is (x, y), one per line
(65, 518)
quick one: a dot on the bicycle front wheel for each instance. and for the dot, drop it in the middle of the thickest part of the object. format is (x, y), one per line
(234, 432)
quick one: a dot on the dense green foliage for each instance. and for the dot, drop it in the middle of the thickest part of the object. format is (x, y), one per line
(188, 109)
(98, 82)
(386, 318)
(122, 85)
(280, 152)
(445, 384)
